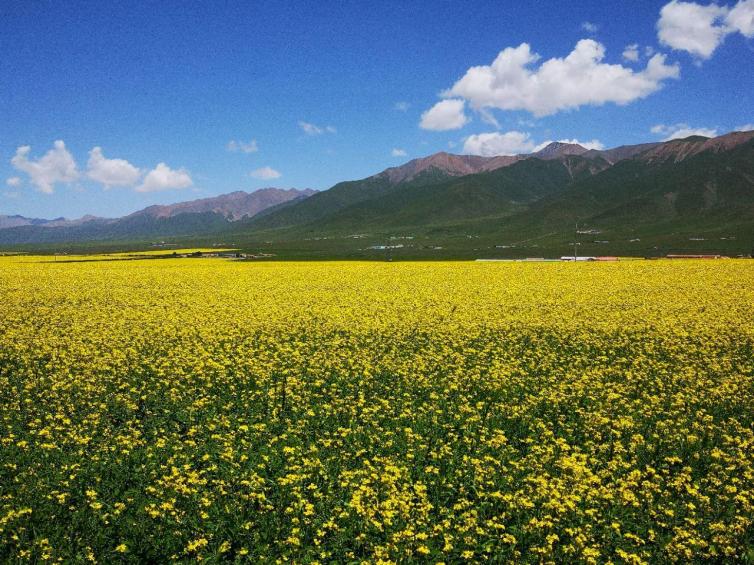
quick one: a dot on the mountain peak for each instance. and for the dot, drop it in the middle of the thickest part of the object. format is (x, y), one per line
(558, 149)
(448, 163)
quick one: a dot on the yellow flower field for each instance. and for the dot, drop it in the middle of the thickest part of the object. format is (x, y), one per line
(177, 409)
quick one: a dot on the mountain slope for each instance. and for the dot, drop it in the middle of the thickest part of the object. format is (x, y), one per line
(683, 183)
(497, 193)
(434, 169)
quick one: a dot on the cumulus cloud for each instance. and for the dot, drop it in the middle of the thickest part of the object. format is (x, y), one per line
(745, 127)
(680, 131)
(265, 173)
(700, 29)
(244, 147)
(514, 143)
(13, 181)
(398, 152)
(402, 106)
(445, 115)
(631, 53)
(513, 82)
(496, 143)
(741, 18)
(590, 27)
(56, 166)
(687, 26)
(312, 129)
(163, 177)
(111, 172)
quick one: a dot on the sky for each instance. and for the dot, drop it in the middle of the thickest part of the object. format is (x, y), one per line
(106, 107)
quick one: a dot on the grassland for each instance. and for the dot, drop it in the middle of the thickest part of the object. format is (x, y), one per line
(379, 412)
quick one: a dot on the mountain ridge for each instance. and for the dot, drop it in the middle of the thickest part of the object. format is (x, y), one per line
(233, 205)
(181, 218)
(657, 189)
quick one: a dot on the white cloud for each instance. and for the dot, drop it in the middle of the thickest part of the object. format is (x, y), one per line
(402, 106)
(687, 26)
(741, 18)
(13, 181)
(488, 117)
(445, 115)
(111, 172)
(631, 53)
(514, 143)
(163, 177)
(745, 127)
(398, 152)
(680, 131)
(242, 146)
(580, 78)
(312, 129)
(56, 166)
(700, 29)
(265, 173)
(590, 27)
(495, 143)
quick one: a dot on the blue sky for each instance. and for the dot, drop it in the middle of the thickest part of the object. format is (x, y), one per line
(319, 92)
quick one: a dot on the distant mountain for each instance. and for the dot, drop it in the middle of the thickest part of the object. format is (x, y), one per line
(695, 189)
(206, 215)
(233, 206)
(18, 221)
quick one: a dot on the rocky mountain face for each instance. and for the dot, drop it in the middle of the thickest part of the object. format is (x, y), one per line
(678, 150)
(459, 165)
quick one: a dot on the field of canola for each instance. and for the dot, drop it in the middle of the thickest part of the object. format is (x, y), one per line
(188, 409)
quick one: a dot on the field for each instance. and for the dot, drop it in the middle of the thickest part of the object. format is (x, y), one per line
(381, 412)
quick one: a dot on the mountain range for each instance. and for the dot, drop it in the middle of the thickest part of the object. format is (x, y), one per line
(683, 194)
(182, 218)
